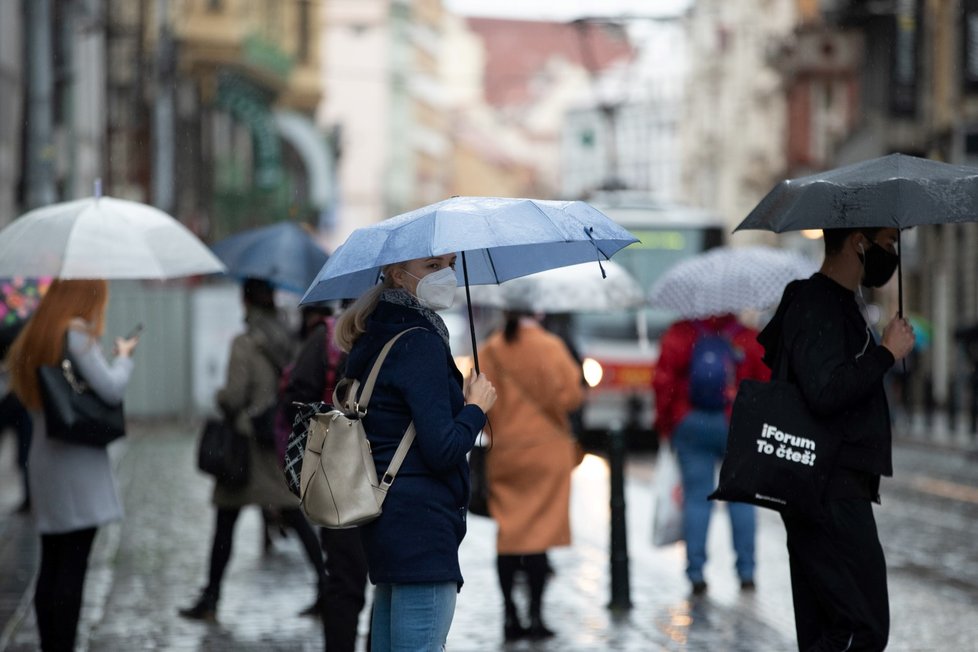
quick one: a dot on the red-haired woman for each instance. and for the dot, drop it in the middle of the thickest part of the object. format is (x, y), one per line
(73, 490)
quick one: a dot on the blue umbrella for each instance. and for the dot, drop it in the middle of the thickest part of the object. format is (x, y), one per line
(283, 254)
(498, 239)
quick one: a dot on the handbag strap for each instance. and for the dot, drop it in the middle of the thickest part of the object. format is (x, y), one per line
(781, 373)
(402, 449)
(360, 406)
(70, 370)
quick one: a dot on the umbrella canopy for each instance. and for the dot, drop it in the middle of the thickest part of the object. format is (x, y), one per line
(104, 238)
(895, 191)
(575, 288)
(284, 254)
(729, 280)
(501, 239)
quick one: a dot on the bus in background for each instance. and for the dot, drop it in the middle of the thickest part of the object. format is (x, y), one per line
(619, 349)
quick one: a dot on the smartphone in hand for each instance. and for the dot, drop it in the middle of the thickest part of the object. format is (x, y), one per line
(135, 331)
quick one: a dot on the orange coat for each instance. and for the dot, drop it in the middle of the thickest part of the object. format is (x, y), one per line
(533, 453)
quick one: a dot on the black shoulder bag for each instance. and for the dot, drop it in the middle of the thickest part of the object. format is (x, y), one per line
(73, 411)
(223, 453)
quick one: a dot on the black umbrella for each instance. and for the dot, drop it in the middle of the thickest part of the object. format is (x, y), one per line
(896, 191)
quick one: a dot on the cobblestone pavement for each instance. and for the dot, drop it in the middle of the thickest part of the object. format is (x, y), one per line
(146, 567)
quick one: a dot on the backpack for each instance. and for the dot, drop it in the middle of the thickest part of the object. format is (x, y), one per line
(283, 430)
(713, 368)
(338, 485)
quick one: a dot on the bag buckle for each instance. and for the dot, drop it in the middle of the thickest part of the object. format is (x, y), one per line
(76, 385)
(386, 481)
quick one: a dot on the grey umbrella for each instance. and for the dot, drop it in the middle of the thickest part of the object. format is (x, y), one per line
(896, 191)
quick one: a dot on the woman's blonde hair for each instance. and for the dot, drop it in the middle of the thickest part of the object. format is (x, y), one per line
(353, 322)
(42, 341)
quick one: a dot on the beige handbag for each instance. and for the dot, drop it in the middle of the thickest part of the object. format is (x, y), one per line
(338, 485)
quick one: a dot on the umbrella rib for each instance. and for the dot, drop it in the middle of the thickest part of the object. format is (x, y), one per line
(74, 225)
(492, 264)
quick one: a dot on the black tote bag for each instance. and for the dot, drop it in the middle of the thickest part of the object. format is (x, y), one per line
(73, 412)
(223, 453)
(778, 455)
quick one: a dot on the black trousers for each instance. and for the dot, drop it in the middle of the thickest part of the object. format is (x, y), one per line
(838, 580)
(60, 583)
(346, 587)
(14, 415)
(226, 519)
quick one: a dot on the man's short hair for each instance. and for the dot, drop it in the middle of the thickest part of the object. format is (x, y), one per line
(834, 238)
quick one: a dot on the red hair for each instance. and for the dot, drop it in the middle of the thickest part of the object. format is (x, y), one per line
(41, 342)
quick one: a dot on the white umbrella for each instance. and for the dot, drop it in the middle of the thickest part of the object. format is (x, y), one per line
(575, 288)
(729, 279)
(105, 238)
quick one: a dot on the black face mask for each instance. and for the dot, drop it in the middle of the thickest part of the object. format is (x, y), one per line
(878, 266)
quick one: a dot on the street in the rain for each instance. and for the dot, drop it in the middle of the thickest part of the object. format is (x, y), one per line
(152, 563)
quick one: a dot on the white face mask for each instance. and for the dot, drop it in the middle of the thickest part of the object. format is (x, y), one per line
(437, 290)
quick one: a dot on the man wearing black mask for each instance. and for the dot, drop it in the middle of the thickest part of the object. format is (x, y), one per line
(838, 572)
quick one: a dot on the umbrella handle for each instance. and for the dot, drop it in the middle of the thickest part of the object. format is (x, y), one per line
(900, 273)
(900, 287)
(468, 301)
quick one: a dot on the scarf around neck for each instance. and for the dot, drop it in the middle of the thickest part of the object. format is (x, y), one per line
(401, 297)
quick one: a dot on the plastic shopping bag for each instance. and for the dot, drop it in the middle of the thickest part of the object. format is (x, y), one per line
(667, 519)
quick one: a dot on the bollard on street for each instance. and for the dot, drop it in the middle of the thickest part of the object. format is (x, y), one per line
(620, 590)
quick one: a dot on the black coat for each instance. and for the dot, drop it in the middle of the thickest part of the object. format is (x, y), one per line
(839, 367)
(308, 378)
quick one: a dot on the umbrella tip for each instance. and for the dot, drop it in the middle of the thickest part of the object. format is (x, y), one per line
(98, 187)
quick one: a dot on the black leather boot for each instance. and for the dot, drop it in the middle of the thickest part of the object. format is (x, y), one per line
(537, 570)
(316, 609)
(205, 609)
(538, 631)
(513, 629)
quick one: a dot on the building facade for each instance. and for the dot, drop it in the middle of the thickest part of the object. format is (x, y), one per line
(11, 107)
(734, 113)
(385, 98)
(625, 134)
(221, 132)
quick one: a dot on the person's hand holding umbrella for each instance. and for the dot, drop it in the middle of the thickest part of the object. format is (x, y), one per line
(479, 391)
(898, 337)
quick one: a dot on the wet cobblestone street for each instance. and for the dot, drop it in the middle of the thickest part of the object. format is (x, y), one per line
(146, 567)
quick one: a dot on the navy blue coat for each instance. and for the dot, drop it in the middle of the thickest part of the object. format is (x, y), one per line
(417, 536)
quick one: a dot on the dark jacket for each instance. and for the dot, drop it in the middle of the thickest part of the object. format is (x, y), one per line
(819, 326)
(308, 379)
(256, 359)
(671, 380)
(417, 536)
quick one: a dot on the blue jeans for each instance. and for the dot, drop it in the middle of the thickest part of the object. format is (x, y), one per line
(700, 440)
(412, 617)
